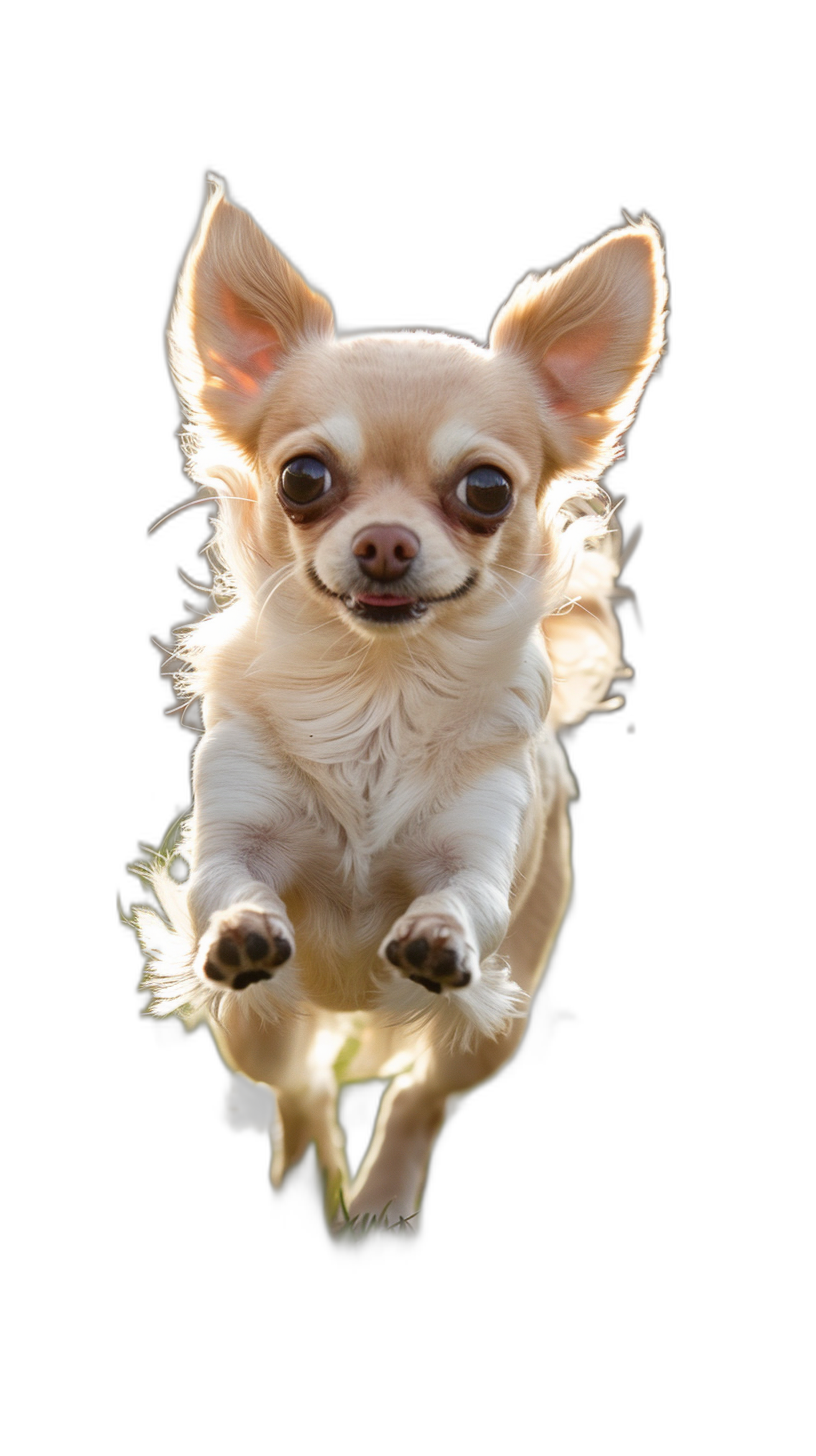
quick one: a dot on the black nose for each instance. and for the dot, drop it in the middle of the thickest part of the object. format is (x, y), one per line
(385, 552)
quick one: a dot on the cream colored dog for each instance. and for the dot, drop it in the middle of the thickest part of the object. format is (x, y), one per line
(379, 845)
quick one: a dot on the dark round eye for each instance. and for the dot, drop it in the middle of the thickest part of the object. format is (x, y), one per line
(305, 480)
(485, 490)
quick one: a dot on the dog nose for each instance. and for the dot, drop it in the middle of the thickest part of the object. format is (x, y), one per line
(385, 552)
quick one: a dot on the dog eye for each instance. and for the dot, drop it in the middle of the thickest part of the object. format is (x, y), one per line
(305, 480)
(485, 490)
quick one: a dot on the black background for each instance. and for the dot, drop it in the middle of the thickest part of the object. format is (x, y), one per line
(576, 1153)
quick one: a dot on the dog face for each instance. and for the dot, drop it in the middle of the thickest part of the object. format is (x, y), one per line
(401, 475)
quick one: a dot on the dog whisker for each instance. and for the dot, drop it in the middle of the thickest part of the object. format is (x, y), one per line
(283, 573)
(204, 500)
(199, 586)
(201, 500)
(319, 627)
(535, 579)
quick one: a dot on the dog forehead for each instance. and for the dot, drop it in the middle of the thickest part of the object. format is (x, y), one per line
(413, 395)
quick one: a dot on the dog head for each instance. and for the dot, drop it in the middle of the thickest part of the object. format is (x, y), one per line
(401, 475)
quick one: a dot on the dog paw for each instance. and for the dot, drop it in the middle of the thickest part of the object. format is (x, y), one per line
(243, 945)
(432, 950)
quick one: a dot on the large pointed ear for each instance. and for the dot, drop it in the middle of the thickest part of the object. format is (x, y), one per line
(591, 332)
(241, 309)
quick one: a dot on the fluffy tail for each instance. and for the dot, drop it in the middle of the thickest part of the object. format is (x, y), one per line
(583, 637)
(166, 934)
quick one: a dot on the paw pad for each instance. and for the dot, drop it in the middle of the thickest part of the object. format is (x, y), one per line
(245, 948)
(431, 963)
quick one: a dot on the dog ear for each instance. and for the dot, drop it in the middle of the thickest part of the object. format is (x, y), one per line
(592, 331)
(240, 310)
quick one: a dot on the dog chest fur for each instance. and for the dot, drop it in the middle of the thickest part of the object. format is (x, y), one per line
(362, 764)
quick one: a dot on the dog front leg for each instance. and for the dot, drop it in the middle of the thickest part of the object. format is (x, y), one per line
(462, 863)
(241, 858)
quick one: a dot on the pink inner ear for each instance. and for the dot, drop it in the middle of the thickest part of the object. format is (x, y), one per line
(568, 369)
(251, 347)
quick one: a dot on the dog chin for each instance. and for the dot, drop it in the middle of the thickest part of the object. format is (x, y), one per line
(388, 609)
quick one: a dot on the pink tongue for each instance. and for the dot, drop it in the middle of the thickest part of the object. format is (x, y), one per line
(370, 600)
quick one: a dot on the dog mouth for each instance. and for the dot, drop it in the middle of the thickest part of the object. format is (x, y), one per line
(376, 607)
(388, 607)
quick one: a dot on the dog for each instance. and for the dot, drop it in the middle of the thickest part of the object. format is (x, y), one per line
(414, 580)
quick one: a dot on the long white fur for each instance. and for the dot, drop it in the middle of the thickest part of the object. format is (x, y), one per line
(339, 763)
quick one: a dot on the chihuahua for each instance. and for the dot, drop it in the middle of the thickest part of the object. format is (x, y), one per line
(414, 582)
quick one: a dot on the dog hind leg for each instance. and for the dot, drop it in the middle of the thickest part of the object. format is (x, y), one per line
(284, 1056)
(412, 1110)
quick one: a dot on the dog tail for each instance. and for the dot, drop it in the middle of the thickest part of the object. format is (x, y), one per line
(165, 934)
(583, 637)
